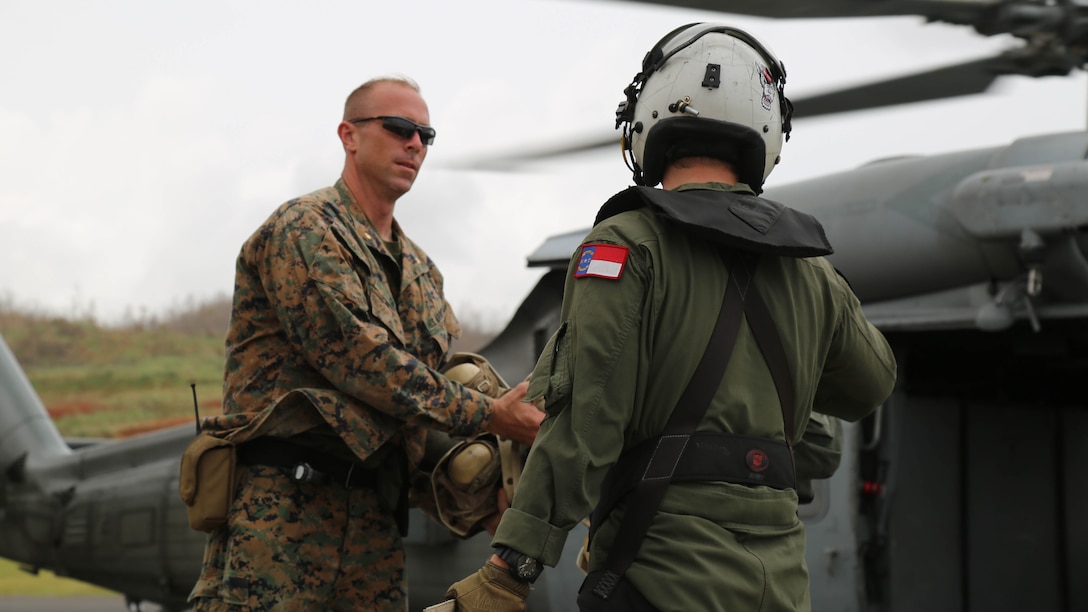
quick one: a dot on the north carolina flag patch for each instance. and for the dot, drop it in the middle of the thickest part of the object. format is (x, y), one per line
(602, 261)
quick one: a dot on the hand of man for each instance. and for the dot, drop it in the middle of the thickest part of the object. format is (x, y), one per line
(490, 589)
(514, 419)
(491, 523)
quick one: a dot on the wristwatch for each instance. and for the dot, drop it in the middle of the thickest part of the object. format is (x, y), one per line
(522, 567)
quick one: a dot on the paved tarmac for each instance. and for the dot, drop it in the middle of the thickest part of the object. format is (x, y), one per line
(69, 604)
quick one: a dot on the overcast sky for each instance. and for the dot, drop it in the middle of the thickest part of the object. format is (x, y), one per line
(142, 142)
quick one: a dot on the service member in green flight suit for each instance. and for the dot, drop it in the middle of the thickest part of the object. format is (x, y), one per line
(705, 118)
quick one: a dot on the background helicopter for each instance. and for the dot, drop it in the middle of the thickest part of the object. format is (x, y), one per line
(968, 472)
(962, 493)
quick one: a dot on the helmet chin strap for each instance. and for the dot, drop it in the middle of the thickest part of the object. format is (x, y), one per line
(629, 159)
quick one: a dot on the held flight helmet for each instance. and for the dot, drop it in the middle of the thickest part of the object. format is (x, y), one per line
(706, 90)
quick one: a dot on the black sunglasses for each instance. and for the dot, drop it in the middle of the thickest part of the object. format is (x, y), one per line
(402, 127)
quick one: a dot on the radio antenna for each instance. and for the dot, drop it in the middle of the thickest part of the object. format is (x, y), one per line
(196, 408)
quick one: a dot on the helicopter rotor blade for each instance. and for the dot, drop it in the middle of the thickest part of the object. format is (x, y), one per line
(962, 12)
(972, 77)
(964, 79)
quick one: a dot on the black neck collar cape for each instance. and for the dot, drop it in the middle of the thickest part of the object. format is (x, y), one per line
(734, 219)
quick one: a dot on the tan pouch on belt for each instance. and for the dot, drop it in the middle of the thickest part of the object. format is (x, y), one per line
(207, 480)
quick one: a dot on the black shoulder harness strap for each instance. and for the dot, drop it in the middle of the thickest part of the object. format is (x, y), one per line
(665, 456)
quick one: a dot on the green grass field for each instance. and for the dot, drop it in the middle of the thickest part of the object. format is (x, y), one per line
(100, 382)
(14, 581)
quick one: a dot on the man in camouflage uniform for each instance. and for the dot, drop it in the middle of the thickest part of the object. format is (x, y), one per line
(338, 329)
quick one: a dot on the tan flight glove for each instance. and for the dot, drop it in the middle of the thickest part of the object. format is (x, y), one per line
(490, 589)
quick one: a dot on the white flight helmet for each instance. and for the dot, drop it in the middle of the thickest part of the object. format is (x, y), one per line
(706, 90)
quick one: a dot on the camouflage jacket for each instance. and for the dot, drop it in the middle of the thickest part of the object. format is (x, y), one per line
(319, 338)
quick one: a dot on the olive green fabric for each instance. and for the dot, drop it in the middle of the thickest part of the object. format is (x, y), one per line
(613, 372)
(818, 453)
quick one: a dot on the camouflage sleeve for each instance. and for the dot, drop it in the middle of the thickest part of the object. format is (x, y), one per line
(319, 289)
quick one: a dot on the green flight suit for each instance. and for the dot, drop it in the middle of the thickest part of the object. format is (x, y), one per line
(614, 370)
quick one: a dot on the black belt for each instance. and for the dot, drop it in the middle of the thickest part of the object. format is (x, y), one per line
(716, 456)
(306, 464)
(708, 457)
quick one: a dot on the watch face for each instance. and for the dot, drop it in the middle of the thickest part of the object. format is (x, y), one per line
(527, 566)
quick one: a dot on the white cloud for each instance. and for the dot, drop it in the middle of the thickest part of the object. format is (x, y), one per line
(141, 143)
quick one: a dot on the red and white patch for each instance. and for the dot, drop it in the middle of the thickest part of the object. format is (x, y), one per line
(602, 261)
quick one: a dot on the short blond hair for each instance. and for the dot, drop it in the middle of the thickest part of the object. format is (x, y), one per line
(355, 105)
